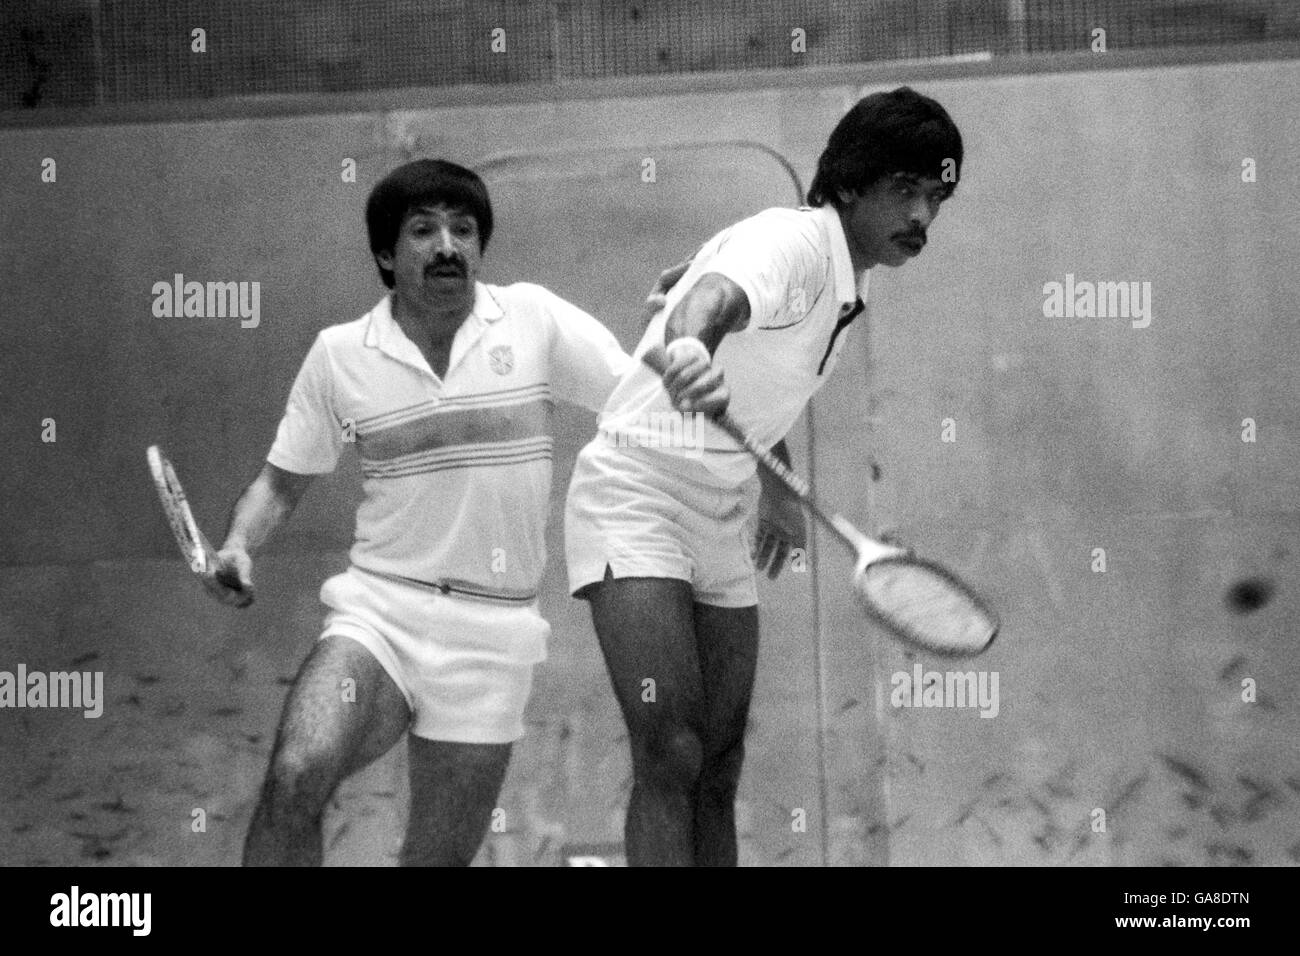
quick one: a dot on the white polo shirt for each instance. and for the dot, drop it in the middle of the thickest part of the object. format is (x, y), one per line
(457, 469)
(794, 267)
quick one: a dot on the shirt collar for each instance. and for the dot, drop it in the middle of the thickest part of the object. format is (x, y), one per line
(383, 332)
(848, 287)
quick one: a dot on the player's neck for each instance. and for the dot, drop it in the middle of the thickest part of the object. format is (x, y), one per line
(427, 321)
(860, 259)
(861, 263)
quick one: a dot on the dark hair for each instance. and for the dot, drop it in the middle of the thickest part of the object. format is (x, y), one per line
(884, 133)
(425, 182)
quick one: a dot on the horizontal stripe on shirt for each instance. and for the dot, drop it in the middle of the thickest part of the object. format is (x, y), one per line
(484, 455)
(455, 425)
(503, 397)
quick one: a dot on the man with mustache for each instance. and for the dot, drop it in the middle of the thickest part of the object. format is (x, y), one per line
(445, 387)
(656, 535)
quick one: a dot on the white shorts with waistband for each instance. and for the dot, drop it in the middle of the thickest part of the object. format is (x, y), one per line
(643, 516)
(465, 665)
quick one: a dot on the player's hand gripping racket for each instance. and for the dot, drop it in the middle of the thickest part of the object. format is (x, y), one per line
(918, 601)
(196, 550)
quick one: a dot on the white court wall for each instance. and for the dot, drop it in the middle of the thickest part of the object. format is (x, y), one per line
(1118, 690)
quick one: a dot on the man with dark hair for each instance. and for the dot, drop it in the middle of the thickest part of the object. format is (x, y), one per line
(446, 388)
(655, 532)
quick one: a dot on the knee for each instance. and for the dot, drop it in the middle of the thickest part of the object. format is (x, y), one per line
(670, 758)
(297, 787)
(720, 777)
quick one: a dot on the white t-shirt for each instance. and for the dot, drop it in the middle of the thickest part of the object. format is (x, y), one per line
(794, 267)
(457, 469)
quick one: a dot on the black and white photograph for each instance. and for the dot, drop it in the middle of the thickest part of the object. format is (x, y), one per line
(651, 433)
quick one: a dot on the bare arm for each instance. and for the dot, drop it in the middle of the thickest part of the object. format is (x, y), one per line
(654, 302)
(713, 307)
(263, 507)
(782, 527)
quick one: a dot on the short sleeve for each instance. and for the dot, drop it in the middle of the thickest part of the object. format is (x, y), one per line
(586, 360)
(778, 266)
(309, 440)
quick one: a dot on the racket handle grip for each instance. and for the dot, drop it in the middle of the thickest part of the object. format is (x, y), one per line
(656, 358)
(227, 576)
(230, 578)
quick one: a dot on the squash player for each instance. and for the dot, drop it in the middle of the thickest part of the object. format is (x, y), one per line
(656, 535)
(448, 383)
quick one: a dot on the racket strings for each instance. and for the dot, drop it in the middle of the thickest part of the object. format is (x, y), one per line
(181, 519)
(926, 606)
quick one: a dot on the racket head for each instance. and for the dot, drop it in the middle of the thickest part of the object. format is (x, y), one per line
(925, 605)
(195, 548)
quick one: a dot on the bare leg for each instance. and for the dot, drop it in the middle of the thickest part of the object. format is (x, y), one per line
(454, 789)
(646, 629)
(727, 642)
(323, 737)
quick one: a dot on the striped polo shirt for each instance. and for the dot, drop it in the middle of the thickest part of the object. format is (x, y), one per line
(794, 268)
(457, 470)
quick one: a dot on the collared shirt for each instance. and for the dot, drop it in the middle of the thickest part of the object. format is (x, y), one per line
(795, 270)
(457, 468)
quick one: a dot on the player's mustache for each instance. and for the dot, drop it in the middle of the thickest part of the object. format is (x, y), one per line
(442, 262)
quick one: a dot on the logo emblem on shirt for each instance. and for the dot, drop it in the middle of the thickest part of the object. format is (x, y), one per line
(502, 359)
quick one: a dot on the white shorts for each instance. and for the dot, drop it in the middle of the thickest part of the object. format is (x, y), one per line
(641, 517)
(464, 665)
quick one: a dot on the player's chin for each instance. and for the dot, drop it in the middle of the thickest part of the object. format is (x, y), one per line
(446, 286)
(901, 255)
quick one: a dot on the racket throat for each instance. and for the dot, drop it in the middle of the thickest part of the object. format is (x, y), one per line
(868, 551)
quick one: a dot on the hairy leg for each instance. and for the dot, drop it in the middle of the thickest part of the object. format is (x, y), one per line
(646, 629)
(454, 789)
(324, 736)
(727, 643)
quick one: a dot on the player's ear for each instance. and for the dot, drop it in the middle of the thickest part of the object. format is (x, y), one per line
(385, 259)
